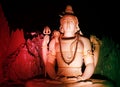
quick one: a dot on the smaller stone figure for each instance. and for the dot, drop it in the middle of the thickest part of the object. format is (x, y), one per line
(96, 44)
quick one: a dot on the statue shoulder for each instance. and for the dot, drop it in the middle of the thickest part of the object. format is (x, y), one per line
(84, 39)
(86, 42)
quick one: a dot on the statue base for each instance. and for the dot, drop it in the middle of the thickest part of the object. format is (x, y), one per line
(53, 83)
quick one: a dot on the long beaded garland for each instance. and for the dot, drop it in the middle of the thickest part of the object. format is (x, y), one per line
(62, 52)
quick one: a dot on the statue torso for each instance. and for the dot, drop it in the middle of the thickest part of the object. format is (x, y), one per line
(69, 54)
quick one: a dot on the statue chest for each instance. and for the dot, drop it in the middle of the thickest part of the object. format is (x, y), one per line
(69, 51)
(69, 45)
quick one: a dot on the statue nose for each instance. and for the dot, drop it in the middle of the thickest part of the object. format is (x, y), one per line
(68, 24)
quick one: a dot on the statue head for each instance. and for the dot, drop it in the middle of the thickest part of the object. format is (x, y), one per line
(69, 14)
(68, 18)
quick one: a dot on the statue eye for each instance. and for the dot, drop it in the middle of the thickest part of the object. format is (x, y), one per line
(64, 21)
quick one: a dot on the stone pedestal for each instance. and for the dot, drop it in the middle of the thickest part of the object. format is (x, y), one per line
(48, 83)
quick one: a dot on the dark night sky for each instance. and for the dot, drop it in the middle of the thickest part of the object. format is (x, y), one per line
(94, 16)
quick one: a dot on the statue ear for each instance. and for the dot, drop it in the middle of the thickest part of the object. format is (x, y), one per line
(77, 28)
(81, 33)
(61, 29)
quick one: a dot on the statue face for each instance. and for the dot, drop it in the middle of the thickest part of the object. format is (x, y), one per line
(69, 23)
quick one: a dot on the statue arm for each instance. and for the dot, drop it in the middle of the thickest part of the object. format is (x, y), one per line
(45, 42)
(88, 60)
(45, 48)
(50, 65)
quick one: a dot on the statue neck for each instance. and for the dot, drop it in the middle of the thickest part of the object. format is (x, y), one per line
(69, 34)
(68, 38)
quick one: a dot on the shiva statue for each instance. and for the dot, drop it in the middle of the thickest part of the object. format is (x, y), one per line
(69, 50)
